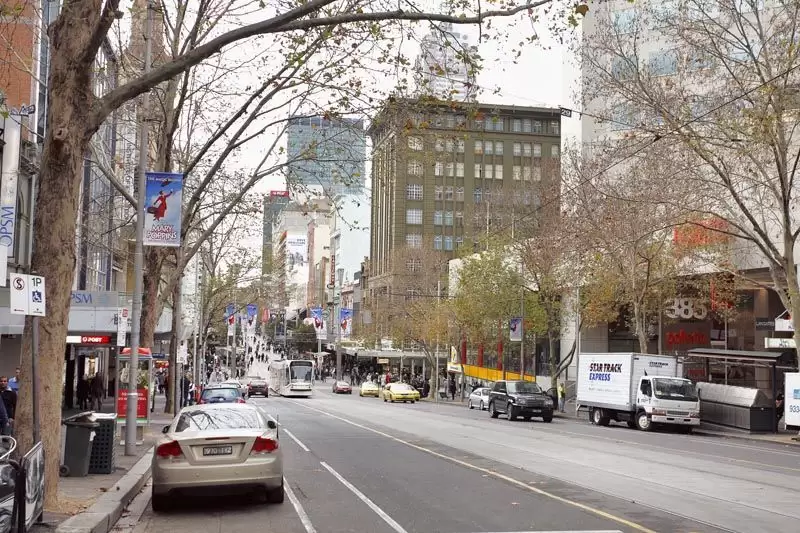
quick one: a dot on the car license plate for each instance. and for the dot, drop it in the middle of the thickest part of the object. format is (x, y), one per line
(218, 450)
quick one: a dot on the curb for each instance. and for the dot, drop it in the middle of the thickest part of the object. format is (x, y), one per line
(711, 433)
(107, 510)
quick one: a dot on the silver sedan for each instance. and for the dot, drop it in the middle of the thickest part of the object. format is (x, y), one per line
(479, 398)
(224, 446)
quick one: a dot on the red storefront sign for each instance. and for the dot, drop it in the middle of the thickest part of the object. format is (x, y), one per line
(96, 339)
(141, 404)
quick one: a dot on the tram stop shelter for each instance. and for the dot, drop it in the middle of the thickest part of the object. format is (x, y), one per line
(742, 386)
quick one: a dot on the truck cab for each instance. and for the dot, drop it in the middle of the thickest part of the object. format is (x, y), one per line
(666, 400)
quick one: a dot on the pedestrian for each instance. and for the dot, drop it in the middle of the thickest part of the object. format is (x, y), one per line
(562, 396)
(83, 392)
(13, 383)
(96, 391)
(5, 423)
(9, 402)
(452, 389)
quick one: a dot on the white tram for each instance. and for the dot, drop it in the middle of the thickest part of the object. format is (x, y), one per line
(292, 377)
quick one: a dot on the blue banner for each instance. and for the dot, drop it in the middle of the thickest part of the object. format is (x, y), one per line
(252, 310)
(346, 322)
(229, 310)
(163, 200)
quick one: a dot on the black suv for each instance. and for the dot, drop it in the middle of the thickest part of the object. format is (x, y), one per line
(520, 398)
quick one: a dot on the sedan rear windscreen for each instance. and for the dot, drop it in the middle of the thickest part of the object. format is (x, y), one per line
(212, 419)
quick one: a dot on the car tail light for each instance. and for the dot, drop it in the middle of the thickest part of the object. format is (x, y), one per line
(262, 445)
(169, 450)
(201, 401)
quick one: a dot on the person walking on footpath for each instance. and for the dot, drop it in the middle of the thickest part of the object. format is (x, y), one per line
(9, 402)
(96, 391)
(13, 383)
(562, 396)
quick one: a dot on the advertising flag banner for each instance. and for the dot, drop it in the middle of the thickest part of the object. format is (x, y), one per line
(515, 329)
(252, 311)
(346, 322)
(229, 310)
(319, 323)
(231, 323)
(265, 315)
(163, 200)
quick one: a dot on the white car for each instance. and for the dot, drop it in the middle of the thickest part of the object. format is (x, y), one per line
(479, 398)
(237, 383)
(217, 447)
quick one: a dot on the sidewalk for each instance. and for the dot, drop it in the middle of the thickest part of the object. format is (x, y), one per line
(94, 503)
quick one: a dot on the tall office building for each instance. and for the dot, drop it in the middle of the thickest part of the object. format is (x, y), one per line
(326, 155)
(443, 178)
(442, 66)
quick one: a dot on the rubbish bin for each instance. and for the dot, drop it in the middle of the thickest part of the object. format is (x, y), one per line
(78, 445)
(104, 452)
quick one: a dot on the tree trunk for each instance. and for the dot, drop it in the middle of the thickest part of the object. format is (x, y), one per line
(552, 358)
(66, 143)
(152, 305)
(176, 377)
(640, 321)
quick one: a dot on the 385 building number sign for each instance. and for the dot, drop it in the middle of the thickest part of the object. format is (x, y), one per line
(686, 309)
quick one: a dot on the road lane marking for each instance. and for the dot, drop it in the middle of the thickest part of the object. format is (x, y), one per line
(296, 440)
(361, 496)
(301, 513)
(599, 512)
(570, 531)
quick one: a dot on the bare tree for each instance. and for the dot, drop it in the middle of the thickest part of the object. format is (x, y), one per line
(715, 85)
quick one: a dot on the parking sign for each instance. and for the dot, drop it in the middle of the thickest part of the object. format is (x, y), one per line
(36, 296)
(27, 295)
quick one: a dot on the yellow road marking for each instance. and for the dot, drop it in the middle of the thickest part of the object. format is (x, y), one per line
(535, 490)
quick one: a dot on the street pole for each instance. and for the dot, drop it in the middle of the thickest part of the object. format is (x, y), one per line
(197, 307)
(522, 324)
(34, 322)
(138, 255)
(436, 363)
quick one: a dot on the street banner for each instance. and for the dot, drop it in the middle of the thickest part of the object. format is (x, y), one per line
(163, 200)
(229, 310)
(265, 315)
(454, 362)
(319, 323)
(515, 329)
(346, 322)
(231, 325)
(252, 311)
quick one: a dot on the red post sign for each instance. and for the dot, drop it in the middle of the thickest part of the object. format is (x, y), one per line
(141, 403)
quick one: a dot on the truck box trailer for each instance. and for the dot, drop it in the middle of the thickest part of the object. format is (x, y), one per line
(639, 389)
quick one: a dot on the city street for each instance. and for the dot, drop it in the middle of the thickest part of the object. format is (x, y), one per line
(359, 464)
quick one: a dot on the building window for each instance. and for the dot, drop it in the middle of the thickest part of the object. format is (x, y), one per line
(438, 192)
(448, 218)
(555, 127)
(537, 126)
(449, 145)
(439, 145)
(477, 195)
(414, 168)
(526, 125)
(415, 143)
(488, 148)
(459, 194)
(478, 147)
(414, 265)
(517, 149)
(498, 172)
(622, 68)
(448, 242)
(478, 171)
(537, 150)
(487, 172)
(496, 124)
(459, 170)
(526, 149)
(624, 21)
(438, 218)
(498, 148)
(413, 191)
(414, 240)
(448, 192)
(555, 150)
(459, 219)
(537, 173)
(413, 216)
(516, 172)
(663, 63)
(460, 146)
(526, 173)
(450, 169)
(516, 125)
(459, 242)
(478, 124)
(438, 169)
(437, 242)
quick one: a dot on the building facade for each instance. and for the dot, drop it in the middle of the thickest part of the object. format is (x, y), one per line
(350, 231)
(443, 179)
(326, 155)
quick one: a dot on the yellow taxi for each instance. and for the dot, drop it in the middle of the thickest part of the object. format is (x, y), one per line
(368, 388)
(400, 392)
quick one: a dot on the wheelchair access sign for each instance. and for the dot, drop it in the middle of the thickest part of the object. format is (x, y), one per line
(27, 295)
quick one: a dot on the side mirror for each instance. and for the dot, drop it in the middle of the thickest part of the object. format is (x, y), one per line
(271, 424)
(165, 429)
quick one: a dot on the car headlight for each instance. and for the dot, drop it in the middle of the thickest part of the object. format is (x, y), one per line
(659, 412)
(548, 402)
(694, 414)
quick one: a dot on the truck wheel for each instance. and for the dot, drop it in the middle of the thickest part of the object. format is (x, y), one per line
(599, 418)
(643, 422)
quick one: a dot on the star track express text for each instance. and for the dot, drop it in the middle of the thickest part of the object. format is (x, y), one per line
(603, 371)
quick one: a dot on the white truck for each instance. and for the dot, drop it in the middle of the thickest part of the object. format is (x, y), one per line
(639, 389)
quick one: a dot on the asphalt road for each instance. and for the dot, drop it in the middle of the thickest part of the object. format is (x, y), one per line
(358, 464)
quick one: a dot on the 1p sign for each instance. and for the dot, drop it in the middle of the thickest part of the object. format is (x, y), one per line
(27, 295)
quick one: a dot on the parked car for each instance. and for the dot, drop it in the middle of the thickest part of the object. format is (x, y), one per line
(236, 383)
(213, 448)
(221, 393)
(342, 387)
(479, 398)
(520, 398)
